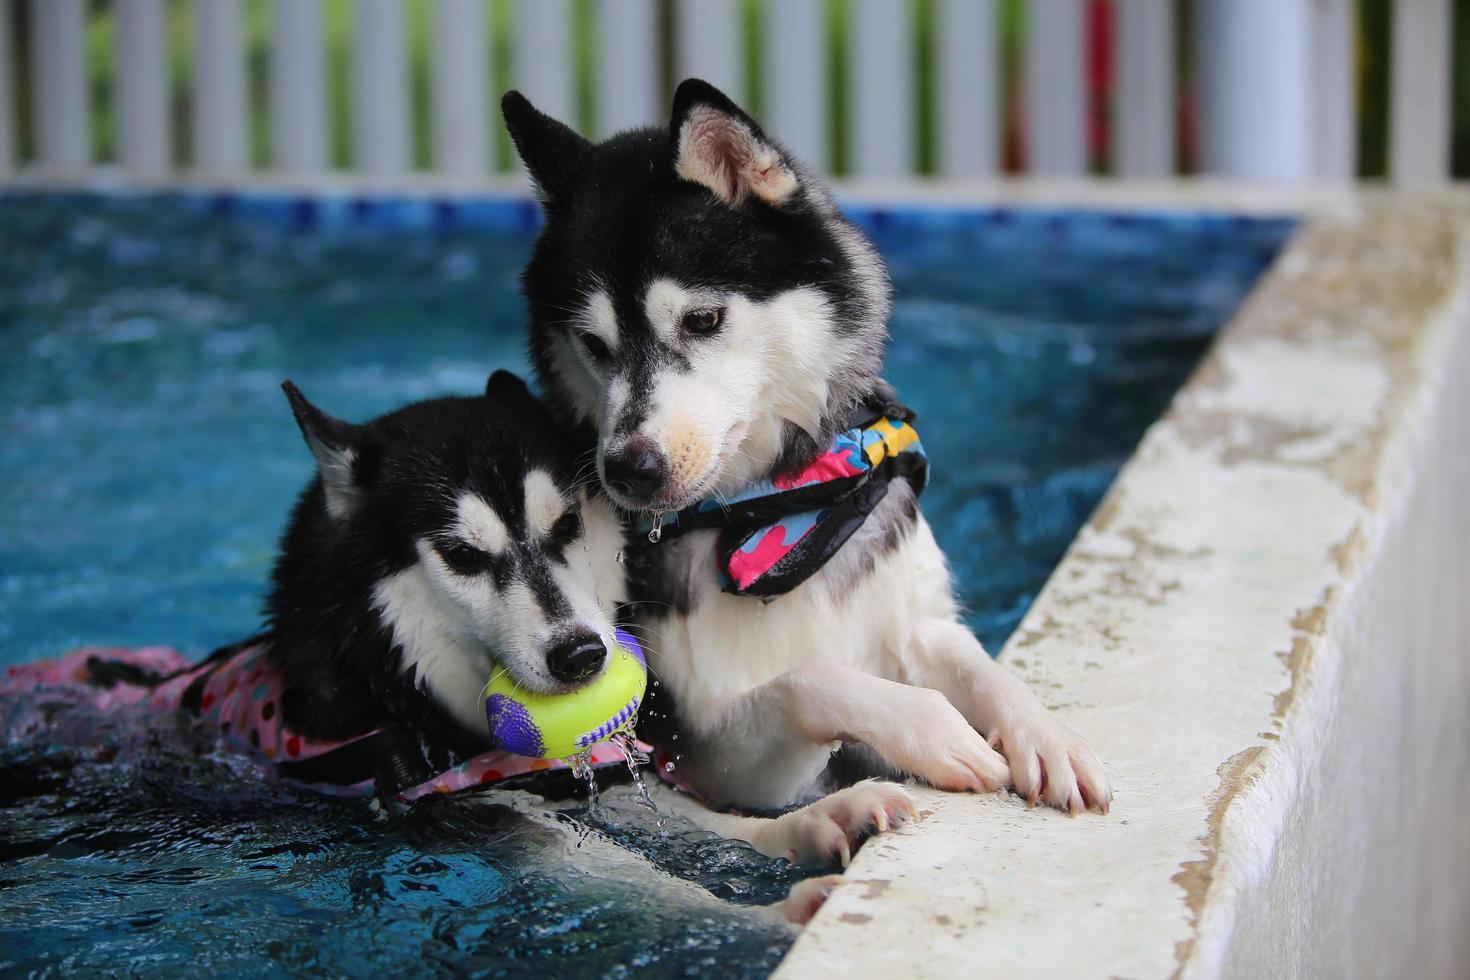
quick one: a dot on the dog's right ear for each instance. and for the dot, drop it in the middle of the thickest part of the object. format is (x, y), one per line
(335, 444)
(552, 151)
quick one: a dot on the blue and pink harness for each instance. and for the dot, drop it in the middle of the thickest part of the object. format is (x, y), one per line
(778, 533)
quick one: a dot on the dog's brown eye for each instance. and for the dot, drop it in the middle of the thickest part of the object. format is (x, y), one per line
(703, 322)
(566, 529)
(462, 558)
(595, 346)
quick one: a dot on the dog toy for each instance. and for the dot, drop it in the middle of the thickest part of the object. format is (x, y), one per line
(559, 726)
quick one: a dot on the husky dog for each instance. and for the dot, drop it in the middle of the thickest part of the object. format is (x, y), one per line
(438, 543)
(706, 318)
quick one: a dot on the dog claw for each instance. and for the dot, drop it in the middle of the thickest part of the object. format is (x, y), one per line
(806, 898)
(831, 830)
(1053, 766)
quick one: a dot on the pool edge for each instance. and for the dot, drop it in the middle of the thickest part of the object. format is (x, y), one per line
(1147, 630)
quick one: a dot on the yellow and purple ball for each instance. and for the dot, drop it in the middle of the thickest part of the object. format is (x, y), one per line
(558, 726)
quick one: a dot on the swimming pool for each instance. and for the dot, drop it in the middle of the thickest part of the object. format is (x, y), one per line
(149, 459)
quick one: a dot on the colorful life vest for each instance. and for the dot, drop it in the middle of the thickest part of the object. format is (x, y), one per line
(237, 693)
(777, 534)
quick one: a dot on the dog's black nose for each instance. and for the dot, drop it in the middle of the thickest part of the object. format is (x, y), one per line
(576, 659)
(637, 471)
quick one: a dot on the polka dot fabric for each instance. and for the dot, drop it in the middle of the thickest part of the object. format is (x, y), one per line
(241, 700)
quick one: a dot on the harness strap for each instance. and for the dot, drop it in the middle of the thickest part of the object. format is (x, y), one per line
(779, 533)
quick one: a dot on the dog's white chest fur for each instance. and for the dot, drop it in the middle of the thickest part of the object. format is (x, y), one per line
(728, 644)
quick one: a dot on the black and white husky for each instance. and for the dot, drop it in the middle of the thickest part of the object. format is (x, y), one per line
(435, 543)
(705, 317)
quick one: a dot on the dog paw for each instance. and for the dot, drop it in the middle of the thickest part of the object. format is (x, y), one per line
(806, 898)
(1051, 763)
(830, 830)
(934, 742)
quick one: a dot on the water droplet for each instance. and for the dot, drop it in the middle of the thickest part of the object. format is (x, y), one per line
(668, 767)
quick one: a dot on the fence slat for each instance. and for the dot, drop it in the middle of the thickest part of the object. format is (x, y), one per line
(708, 44)
(543, 68)
(969, 90)
(1254, 66)
(1333, 114)
(1143, 139)
(460, 88)
(218, 107)
(1419, 96)
(142, 118)
(58, 86)
(380, 134)
(298, 88)
(795, 96)
(880, 89)
(627, 65)
(1055, 95)
(7, 91)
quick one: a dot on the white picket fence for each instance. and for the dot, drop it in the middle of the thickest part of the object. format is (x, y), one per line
(1275, 80)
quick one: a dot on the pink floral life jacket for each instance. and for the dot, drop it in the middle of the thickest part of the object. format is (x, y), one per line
(240, 697)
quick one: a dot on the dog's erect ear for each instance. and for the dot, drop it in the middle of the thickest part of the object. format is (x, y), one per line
(335, 444)
(718, 145)
(552, 151)
(507, 384)
(511, 392)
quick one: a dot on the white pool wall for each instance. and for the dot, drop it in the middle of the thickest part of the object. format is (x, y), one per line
(1264, 633)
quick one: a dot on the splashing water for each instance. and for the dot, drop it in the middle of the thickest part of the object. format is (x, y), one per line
(636, 759)
(581, 765)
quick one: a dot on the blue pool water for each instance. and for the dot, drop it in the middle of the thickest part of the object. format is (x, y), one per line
(147, 461)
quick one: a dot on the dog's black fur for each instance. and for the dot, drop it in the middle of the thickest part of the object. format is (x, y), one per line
(338, 661)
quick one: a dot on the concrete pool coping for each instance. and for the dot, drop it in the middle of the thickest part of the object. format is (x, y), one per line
(1220, 630)
(1263, 632)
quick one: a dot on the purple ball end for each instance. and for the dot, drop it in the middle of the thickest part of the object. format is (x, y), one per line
(512, 728)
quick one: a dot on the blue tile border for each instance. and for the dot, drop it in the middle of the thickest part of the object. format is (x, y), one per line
(338, 212)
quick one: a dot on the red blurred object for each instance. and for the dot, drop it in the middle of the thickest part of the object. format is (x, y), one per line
(1099, 82)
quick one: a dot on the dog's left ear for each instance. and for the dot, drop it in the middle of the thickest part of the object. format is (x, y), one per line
(506, 384)
(718, 145)
(336, 446)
